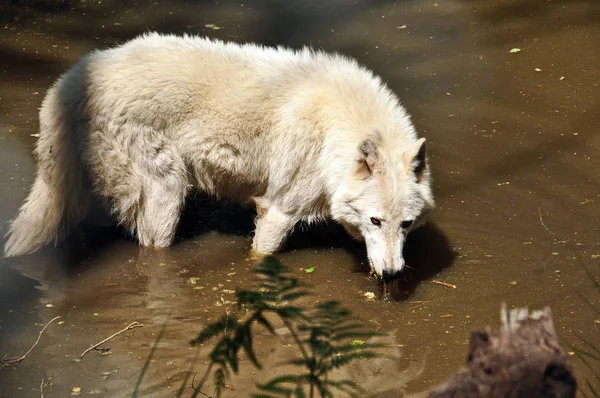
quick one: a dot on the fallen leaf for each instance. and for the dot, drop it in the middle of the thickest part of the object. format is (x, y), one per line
(514, 50)
(370, 295)
(213, 26)
(76, 391)
(309, 270)
(513, 283)
(193, 280)
(357, 343)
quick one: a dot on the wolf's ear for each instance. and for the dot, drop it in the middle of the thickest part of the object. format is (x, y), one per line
(368, 158)
(415, 158)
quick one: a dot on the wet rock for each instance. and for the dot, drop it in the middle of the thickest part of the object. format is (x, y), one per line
(523, 359)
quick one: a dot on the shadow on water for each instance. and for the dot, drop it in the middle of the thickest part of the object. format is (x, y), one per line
(427, 250)
(18, 294)
(203, 214)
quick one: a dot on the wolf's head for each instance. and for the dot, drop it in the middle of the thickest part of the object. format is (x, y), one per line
(388, 197)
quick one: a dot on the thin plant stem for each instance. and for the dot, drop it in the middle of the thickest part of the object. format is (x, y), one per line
(149, 358)
(198, 389)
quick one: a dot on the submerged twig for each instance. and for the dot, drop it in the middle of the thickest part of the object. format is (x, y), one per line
(132, 325)
(17, 360)
(42, 388)
(453, 286)
(556, 239)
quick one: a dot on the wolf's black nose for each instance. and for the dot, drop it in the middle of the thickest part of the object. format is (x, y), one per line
(390, 276)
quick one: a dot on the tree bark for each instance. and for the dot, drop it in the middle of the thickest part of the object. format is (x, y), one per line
(523, 359)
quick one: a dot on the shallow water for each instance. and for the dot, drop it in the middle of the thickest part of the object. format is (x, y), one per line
(513, 151)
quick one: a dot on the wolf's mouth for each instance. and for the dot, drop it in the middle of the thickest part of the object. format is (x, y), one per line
(372, 271)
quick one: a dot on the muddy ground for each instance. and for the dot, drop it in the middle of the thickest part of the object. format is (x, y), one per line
(513, 143)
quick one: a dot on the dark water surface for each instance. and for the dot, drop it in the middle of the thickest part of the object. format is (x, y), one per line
(513, 141)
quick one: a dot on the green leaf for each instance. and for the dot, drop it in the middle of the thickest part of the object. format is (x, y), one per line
(309, 270)
(299, 392)
(294, 295)
(248, 349)
(219, 380)
(326, 330)
(263, 321)
(276, 385)
(288, 379)
(298, 362)
(213, 26)
(347, 386)
(342, 360)
(291, 312)
(214, 329)
(351, 335)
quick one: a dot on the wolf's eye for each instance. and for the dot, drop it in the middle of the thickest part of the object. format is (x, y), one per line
(376, 221)
(406, 224)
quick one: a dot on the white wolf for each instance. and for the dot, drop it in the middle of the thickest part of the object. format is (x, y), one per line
(305, 135)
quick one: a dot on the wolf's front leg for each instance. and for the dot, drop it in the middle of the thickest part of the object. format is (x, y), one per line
(272, 227)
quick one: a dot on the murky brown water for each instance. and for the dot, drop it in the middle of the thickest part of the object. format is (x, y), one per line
(511, 135)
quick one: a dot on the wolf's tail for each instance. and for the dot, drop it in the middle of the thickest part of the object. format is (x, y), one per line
(59, 197)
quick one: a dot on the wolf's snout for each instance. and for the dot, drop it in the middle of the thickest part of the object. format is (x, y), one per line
(389, 276)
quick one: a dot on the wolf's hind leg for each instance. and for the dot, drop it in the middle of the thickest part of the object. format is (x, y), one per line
(272, 228)
(145, 181)
(160, 210)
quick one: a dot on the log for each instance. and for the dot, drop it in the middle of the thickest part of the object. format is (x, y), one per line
(523, 359)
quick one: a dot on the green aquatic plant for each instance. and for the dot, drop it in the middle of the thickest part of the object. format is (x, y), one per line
(326, 335)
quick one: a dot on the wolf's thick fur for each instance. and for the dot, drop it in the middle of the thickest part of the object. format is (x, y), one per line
(305, 135)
